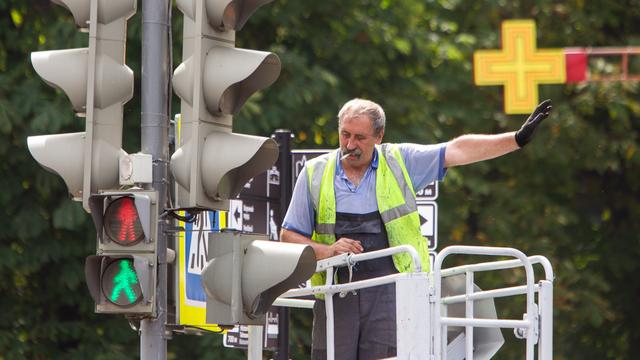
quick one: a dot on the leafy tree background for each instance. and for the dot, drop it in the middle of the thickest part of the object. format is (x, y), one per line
(571, 195)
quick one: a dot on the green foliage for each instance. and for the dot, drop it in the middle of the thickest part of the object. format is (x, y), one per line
(570, 195)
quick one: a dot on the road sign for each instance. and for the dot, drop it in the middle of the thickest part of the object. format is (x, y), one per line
(300, 157)
(428, 212)
(258, 207)
(238, 337)
(193, 249)
(430, 192)
(235, 214)
(265, 184)
(255, 216)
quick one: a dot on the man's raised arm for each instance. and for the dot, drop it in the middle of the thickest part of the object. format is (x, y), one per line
(468, 149)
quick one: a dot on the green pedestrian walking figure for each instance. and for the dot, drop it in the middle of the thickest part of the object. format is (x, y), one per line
(125, 278)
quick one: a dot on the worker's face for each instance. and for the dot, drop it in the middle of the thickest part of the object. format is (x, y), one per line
(358, 139)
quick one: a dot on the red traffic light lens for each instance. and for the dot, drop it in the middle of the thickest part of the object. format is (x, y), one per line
(122, 222)
(120, 283)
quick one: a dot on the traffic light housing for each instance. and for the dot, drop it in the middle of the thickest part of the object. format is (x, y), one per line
(486, 341)
(220, 167)
(98, 83)
(122, 276)
(213, 82)
(245, 273)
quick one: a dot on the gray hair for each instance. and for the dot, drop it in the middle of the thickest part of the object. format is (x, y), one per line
(358, 107)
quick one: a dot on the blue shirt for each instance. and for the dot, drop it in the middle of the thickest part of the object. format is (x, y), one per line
(424, 163)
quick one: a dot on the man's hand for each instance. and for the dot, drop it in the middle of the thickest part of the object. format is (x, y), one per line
(323, 251)
(530, 127)
(345, 245)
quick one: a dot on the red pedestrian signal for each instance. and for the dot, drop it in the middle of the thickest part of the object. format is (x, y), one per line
(122, 222)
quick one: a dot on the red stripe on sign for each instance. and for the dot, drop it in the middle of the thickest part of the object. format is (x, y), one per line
(576, 60)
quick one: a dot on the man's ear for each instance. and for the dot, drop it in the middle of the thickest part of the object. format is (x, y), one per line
(379, 139)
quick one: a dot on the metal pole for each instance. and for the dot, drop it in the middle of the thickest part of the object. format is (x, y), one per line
(283, 138)
(545, 299)
(156, 83)
(254, 351)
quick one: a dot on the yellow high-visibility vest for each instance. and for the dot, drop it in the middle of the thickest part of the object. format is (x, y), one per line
(396, 204)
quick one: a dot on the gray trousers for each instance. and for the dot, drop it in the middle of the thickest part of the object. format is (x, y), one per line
(365, 323)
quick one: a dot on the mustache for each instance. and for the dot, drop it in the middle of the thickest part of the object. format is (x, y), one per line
(346, 152)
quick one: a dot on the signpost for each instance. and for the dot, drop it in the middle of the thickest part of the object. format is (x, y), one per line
(238, 337)
(428, 212)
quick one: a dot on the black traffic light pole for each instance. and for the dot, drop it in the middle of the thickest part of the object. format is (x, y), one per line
(156, 88)
(283, 138)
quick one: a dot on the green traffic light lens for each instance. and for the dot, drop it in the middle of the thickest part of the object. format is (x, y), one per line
(122, 223)
(120, 283)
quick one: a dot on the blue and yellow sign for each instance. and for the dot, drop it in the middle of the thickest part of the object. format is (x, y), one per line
(193, 248)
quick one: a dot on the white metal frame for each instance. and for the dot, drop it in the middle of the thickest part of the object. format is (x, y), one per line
(537, 323)
(411, 299)
(417, 301)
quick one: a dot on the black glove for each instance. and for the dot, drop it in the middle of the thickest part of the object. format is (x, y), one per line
(530, 127)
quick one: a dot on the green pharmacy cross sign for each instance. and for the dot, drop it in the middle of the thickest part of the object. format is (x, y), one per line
(120, 278)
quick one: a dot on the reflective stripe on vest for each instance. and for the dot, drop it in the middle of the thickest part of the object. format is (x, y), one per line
(320, 175)
(409, 196)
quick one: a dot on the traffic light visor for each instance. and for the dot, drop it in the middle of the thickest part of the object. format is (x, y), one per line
(230, 160)
(65, 70)
(79, 9)
(270, 269)
(231, 14)
(486, 341)
(231, 76)
(63, 155)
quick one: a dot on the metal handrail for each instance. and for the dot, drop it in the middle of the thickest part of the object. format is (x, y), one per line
(351, 259)
(438, 322)
(501, 265)
(529, 323)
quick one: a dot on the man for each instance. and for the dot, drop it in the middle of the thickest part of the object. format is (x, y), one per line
(360, 198)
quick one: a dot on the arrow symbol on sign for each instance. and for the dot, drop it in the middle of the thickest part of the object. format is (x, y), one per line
(428, 219)
(237, 215)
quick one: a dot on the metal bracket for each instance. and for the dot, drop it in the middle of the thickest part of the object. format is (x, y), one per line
(432, 294)
(173, 229)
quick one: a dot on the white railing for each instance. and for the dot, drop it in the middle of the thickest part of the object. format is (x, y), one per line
(537, 323)
(411, 291)
(417, 302)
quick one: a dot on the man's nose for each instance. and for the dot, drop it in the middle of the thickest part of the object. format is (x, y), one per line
(351, 145)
